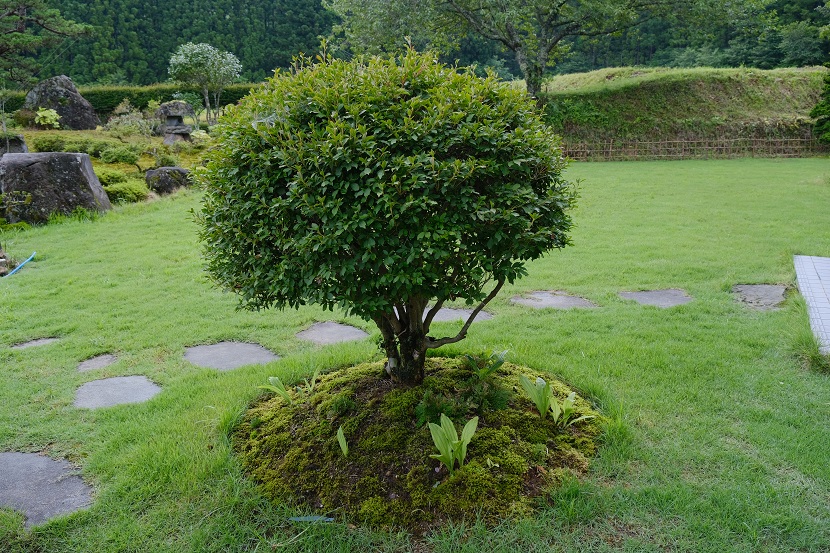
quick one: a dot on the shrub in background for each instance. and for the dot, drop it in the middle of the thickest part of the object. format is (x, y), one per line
(108, 176)
(821, 113)
(127, 191)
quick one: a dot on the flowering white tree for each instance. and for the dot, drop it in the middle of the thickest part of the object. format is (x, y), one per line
(206, 67)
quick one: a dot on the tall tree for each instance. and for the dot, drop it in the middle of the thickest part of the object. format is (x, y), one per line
(535, 31)
(26, 27)
(206, 67)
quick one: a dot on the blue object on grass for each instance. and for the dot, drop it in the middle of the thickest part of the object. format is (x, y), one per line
(21, 265)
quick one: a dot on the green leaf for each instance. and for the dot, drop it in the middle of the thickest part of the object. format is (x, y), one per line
(341, 439)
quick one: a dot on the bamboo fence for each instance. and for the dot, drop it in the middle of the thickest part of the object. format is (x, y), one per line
(716, 148)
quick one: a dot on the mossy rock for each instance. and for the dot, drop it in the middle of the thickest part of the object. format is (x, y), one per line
(388, 477)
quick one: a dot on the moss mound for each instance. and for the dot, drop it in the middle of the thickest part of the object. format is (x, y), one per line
(388, 478)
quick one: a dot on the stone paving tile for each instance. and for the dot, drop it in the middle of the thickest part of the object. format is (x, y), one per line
(331, 333)
(115, 391)
(763, 297)
(813, 276)
(226, 356)
(452, 314)
(552, 300)
(35, 343)
(40, 487)
(670, 297)
(98, 362)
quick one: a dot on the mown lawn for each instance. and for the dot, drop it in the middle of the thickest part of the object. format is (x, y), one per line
(720, 435)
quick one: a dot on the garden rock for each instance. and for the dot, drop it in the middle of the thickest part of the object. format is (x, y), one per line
(98, 362)
(40, 487)
(115, 391)
(225, 356)
(552, 300)
(331, 333)
(165, 180)
(659, 298)
(59, 93)
(763, 297)
(14, 144)
(47, 183)
(4, 263)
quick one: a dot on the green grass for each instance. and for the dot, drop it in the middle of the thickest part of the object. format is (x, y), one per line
(660, 103)
(720, 433)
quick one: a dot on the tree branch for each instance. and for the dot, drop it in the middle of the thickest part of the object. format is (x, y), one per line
(432, 344)
(431, 314)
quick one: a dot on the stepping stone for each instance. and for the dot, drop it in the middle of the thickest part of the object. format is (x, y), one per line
(40, 487)
(226, 356)
(763, 297)
(331, 333)
(35, 343)
(658, 298)
(552, 300)
(451, 314)
(813, 274)
(98, 362)
(115, 391)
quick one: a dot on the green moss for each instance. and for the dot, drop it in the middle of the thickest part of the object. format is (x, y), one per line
(388, 477)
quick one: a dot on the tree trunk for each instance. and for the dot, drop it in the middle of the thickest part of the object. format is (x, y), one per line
(404, 342)
(206, 94)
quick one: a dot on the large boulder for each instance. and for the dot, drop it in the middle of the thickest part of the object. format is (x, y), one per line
(60, 94)
(13, 144)
(165, 180)
(37, 185)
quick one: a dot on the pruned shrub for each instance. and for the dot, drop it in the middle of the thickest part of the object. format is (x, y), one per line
(384, 187)
(24, 118)
(127, 191)
(121, 154)
(108, 176)
(49, 143)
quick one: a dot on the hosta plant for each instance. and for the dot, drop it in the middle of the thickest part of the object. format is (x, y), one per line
(452, 448)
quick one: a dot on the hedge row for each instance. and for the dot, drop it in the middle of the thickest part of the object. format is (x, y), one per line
(104, 99)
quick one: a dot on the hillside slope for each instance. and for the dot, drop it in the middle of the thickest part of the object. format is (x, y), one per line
(668, 104)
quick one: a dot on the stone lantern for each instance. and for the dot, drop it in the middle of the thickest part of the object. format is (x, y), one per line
(171, 115)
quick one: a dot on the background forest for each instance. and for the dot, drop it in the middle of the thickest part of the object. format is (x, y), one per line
(133, 39)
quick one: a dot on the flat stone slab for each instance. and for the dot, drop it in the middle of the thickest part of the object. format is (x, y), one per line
(670, 297)
(452, 314)
(813, 275)
(35, 343)
(763, 297)
(115, 391)
(98, 362)
(331, 333)
(226, 356)
(40, 487)
(552, 300)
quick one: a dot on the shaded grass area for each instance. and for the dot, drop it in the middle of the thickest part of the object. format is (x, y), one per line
(718, 433)
(638, 103)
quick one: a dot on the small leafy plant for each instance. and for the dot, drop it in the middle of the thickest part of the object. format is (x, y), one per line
(485, 368)
(563, 414)
(308, 388)
(275, 385)
(542, 396)
(341, 439)
(539, 392)
(47, 118)
(452, 448)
